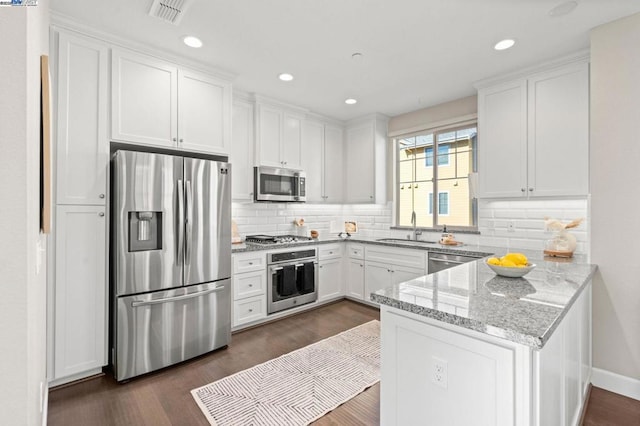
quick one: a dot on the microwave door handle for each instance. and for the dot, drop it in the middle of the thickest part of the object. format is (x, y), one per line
(189, 223)
(180, 222)
(298, 184)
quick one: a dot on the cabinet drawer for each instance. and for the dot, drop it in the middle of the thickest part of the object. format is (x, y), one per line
(396, 256)
(329, 251)
(356, 251)
(247, 262)
(248, 310)
(249, 284)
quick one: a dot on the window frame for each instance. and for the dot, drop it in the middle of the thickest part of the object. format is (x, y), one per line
(473, 227)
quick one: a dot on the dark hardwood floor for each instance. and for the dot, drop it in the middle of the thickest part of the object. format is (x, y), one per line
(164, 398)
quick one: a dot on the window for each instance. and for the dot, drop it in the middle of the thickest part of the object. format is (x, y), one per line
(443, 203)
(443, 155)
(420, 175)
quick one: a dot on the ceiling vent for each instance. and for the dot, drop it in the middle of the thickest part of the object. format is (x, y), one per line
(168, 10)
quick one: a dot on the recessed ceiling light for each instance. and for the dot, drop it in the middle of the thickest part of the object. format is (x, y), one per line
(285, 76)
(192, 41)
(563, 8)
(350, 101)
(504, 44)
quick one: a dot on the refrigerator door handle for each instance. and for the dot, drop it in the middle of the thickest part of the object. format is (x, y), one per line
(189, 223)
(180, 223)
(136, 304)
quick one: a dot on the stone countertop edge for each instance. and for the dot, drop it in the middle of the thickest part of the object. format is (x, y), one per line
(536, 342)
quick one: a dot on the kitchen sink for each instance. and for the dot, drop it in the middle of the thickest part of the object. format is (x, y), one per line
(405, 241)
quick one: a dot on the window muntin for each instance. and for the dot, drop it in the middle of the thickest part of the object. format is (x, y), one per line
(418, 179)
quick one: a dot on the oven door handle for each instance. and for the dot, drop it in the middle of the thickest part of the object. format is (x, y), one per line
(276, 269)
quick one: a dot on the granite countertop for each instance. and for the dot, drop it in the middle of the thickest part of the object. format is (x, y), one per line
(465, 249)
(523, 310)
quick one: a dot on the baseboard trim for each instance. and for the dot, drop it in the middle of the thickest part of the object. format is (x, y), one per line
(617, 383)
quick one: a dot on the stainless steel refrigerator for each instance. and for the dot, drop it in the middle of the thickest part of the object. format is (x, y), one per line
(171, 259)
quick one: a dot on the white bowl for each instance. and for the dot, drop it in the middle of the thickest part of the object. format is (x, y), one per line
(512, 272)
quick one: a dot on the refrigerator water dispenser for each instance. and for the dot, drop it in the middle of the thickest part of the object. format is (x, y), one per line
(145, 231)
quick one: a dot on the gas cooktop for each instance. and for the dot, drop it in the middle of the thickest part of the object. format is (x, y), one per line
(276, 239)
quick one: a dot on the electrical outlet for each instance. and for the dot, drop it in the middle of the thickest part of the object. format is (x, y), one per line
(440, 375)
(511, 226)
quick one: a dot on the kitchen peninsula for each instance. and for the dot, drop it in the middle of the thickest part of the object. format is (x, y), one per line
(465, 346)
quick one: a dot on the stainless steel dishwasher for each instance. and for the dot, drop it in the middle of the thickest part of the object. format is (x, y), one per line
(442, 261)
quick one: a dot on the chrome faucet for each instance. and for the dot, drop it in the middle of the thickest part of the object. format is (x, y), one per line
(414, 222)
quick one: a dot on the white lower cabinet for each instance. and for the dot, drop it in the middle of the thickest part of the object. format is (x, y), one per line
(431, 369)
(355, 278)
(387, 266)
(80, 331)
(330, 272)
(249, 288)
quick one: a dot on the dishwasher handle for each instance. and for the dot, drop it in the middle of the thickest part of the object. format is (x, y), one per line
(436, 259)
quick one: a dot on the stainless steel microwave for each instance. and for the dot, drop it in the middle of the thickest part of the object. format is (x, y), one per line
(277, 184)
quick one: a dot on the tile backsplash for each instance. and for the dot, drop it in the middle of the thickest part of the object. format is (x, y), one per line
(374, 221)
(277, 218)
(527, 218)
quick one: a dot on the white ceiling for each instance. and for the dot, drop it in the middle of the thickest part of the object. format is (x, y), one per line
(417, 53)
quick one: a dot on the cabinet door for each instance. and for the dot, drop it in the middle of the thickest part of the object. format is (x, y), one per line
(144, 103)
(82, 145)
(333, 165)
(241, 151)
(269, 135)
(80, 290)
(330, 279)
(312, 147)
(360, 167)
(355, 278)
(402, 274)
(292, 141)
(502, 140)
(376, 277)
(558, 143)
(204, 112)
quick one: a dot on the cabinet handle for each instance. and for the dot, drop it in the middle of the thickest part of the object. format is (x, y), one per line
(522, 189)
(174, 139)
(250, 263)
(330, 252)
(371, 196)
(530, 189)
(101, 214)
(250, 310)
(181, 140)
(361, 265)
(415, 186)
(250, 285)
(101, 196)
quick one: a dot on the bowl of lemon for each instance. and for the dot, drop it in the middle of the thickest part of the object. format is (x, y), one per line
(512, 265)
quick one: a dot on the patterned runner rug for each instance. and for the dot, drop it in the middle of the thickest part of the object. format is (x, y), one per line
(299, 387)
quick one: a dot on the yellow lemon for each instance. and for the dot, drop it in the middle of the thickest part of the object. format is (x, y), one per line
(493, 261)
(517, 258)
(508, 263)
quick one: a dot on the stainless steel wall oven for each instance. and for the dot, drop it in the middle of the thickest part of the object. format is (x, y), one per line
(292, 279)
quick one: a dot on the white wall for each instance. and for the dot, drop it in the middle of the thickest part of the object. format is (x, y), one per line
(24, 35)
(615, 197)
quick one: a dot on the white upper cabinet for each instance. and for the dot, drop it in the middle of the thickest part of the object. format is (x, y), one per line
(322, 152)
(204, 112)
(502, 139)
(533, 135)
(558, 132)
(155, 103)
(312, 153)
(144, 104)
(278, 138)
(333, 164)
(365, 160)
(82, 141)
(241, 150)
